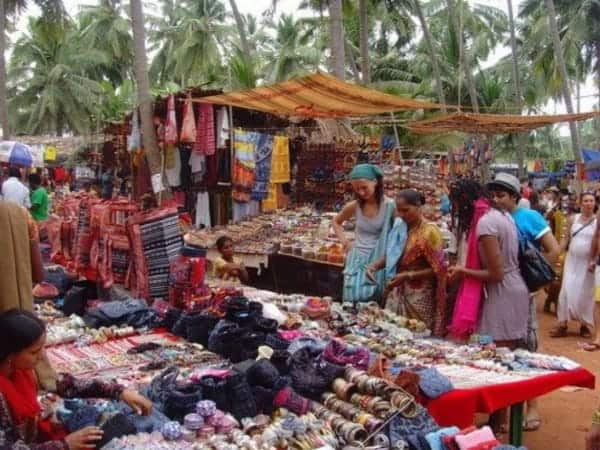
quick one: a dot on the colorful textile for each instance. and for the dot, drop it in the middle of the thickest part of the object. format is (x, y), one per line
(423, 299)
(264, 150)
(20, 424)
(205, 131)
(357, 286)
(468, 300)
(244, 166)
(280, 161)
(188, 127)
(396, 243)
(222, 126)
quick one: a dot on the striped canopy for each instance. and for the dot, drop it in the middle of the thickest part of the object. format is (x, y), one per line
(317, 96)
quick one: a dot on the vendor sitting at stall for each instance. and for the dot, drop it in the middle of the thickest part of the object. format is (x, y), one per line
(23, 336)
(228, 266)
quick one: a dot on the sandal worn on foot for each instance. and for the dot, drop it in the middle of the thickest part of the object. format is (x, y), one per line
(531, 424)
(584, 332)
(590, 346)
(558, 332)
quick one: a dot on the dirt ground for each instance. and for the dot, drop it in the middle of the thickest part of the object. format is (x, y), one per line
(565, 413)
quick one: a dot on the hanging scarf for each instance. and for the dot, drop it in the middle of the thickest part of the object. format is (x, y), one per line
(171, 123)
(188, 128)
(21, 396)
(468, 300)
(396, 243)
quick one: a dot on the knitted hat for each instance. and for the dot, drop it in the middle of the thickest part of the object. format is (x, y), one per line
(265, 325)
(81, 418)
(117, 426)
(215, 389)
(240, 397)
(289, 399)
(281, 360)
(262, 373)
(276, 342)
(171, 317)
(339, 353)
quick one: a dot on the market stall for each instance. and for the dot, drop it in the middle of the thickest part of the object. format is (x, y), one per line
(329, 376)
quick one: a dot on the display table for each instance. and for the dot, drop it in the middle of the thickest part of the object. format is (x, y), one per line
(310, 277)
(460, 405)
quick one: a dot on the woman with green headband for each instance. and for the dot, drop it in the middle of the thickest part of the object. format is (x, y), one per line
(373, 213)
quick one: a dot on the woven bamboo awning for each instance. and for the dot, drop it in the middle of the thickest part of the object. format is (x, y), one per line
(491, 123)
(317, 96)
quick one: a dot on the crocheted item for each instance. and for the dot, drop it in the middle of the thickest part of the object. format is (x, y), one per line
(171, 431)
(434, 439)
(281, 360)
(339, 353)
(289, 399)
(81, 418)
(263, 373)
(265, 325)
(215, 389)
(276, 342)
(310, 375)
(241, 400)
(433, 383)
(193, 421)
(117, 426)
(206, 408)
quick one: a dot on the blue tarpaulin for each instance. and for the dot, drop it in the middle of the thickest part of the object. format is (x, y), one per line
(592, 160)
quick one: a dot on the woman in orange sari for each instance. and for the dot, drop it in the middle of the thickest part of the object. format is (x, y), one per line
(418, 290)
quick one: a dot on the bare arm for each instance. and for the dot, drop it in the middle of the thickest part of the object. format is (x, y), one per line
(345, 214)
(243, 274)
(550, 247)
(495, 271)
(595, 243)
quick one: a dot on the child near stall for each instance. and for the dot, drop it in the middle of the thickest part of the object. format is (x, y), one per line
(228, 266)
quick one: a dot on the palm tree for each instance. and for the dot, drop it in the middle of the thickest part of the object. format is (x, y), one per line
(365, 64)
(517, 83)
(437, 75)
(558, 53)
(52, 10)
(105, 27)
(292, 52)
(143, 87)
(189, 40)
(239, 21)
(463, 55)
(51, 91)
(336, 38)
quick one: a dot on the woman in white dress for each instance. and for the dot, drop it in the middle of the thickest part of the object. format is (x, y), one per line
(576, 298)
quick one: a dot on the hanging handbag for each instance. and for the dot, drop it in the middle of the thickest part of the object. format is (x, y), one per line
(536, 271)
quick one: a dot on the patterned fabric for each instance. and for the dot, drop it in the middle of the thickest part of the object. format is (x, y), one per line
(205, 131)
(423, 299)
(244, 166)
(15, 438)
(280, 162)
(357, 287)
(264, 150)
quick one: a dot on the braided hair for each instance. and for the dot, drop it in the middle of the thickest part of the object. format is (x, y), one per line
(464, 193)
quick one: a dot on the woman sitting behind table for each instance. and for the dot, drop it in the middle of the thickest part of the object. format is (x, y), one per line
(416, 284)
(228, 266)
(23, 336)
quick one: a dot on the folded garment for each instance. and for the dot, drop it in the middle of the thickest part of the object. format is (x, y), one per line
(433, 383)
(482, 439)
(434, 439)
